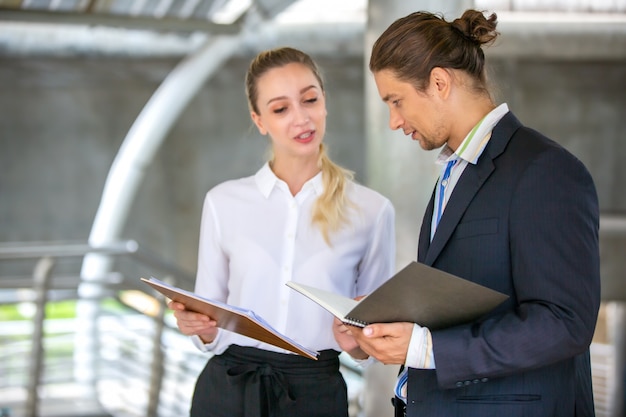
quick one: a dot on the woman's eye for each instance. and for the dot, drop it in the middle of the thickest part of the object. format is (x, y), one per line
(279, 110)
(396, 103)
(311, 100)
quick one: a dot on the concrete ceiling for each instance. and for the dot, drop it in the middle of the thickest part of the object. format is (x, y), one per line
(163, 27)
(593, 29)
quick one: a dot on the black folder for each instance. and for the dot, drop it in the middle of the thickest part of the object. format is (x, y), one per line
(418, 294)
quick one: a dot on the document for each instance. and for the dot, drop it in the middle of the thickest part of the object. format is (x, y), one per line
(228, 317)
(418, 294)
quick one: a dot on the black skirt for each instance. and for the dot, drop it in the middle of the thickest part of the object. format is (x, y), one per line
(250, 382)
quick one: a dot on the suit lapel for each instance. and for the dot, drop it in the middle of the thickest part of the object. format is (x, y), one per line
(424, 239)
(470, 182)
(472, 179)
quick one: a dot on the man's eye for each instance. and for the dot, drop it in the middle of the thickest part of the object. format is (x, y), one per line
(396, 103)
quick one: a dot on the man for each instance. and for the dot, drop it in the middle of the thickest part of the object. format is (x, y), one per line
(513, 211)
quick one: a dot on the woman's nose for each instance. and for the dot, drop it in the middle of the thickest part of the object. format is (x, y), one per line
(301, 115)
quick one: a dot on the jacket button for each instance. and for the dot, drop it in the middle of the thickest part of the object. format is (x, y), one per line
(484, 380)
(459, 384)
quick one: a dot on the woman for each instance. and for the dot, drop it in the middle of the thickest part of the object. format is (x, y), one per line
(299, 218)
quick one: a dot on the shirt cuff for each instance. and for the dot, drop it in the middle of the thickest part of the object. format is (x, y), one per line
(364, 363)
(420, 352)
(204, 347)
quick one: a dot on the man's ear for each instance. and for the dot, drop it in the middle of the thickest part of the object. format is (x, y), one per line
(440, 81)
(258, 122)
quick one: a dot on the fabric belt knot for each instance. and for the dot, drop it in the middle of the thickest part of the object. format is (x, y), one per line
(263, 385)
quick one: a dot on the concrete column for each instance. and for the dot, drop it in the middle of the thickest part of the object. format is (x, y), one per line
(398, 168)
(617, 327)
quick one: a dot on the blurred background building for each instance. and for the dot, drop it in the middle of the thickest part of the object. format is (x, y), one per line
(116, 117)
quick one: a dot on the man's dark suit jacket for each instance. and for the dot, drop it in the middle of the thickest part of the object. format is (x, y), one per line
(524, 221)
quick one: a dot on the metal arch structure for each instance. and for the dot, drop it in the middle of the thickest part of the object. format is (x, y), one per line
(137, 151)
(126, 175)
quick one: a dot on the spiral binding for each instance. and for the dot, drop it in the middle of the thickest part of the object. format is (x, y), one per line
(354, 322)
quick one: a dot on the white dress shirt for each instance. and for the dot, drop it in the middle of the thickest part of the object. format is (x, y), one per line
(255, 236)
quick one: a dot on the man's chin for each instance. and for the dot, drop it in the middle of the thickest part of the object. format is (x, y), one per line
(427, 146)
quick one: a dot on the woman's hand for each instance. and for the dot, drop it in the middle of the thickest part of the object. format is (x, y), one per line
(194, 324)
(346, 341)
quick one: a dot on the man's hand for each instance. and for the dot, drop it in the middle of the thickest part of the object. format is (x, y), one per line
(387, 342)
(190, 323)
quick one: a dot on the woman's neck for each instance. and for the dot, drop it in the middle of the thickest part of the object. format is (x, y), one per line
(295, 172)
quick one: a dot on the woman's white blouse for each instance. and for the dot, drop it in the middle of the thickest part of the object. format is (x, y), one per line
(255, 236)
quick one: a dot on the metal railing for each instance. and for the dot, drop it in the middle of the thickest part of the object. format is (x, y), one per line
(146, 368)
(36, 290)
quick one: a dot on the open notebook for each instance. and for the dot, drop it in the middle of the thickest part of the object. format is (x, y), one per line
(228, 317)
(418, 294)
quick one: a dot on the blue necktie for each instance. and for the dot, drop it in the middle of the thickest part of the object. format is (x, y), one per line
(401, 383)
(442, 188)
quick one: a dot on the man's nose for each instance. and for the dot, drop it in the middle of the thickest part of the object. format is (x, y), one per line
(395, 121)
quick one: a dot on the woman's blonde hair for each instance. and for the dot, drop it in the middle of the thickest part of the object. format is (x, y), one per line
(330, 209)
